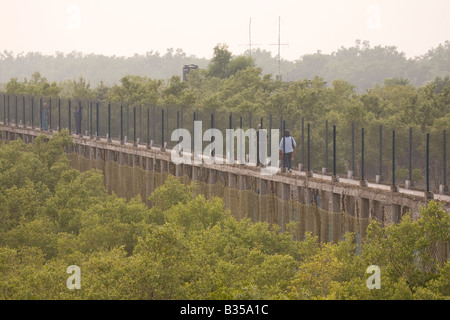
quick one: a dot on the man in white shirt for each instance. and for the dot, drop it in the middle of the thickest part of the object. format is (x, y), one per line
(287, 146)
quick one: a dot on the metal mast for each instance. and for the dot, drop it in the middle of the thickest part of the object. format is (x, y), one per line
(279, 44)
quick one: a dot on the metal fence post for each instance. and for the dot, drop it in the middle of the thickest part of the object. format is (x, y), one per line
(178, 130)
(17, 114)
(380, 172)
(4, 108)
(40, 114)
(193, 130)
(134, 127)
(59, 115)
(393, 160)
(23, 110)
(109, 122)
(128, 123)
(283, 134)
(80, 121)
(281, 124)
(167, 124)
(162, 130)
(445, 160)
(362, 154)
(50, 115)
(121, 124)
(32, 112)
(309, 150)
(409, 182)
(98, 121)
(334, 153)
(270, 130)
(410, 154)
(213, 150)
(303, 142)
(91, 130)
(242, 155)
(230, 154)
(428, 163)
(9, 116)
(326, 145)
(353, 147)
(148, 129)
(154, 123)
(140, 121)
(70, 117)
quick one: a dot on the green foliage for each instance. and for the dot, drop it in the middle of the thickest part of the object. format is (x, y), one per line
(135, 89)
(48, 161)
(219, 63)
(76, 89)
(222, 64)
(240, 63)
(37, 86)
(403, 173)
(364, 85)
(170, 194)
(183, 246)
(362, 65)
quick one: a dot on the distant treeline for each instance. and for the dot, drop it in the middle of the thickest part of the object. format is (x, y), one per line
(361, 65)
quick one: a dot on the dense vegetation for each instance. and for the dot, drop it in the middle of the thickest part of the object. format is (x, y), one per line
(185, 247)
(236, 84)
(361, 65)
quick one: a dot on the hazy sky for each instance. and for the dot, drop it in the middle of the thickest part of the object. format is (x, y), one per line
(126, 27)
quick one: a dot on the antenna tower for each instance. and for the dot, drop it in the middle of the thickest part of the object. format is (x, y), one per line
(279, 44)
(250, 38)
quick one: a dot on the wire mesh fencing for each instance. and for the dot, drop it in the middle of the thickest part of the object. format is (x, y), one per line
(382, 153)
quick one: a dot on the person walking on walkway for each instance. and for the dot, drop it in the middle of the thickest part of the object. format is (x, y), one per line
(287, 149)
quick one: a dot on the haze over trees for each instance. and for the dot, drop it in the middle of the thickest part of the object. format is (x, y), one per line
(361, 65)
(237, 84)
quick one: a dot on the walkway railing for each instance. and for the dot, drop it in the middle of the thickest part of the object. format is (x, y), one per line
(403, 158)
